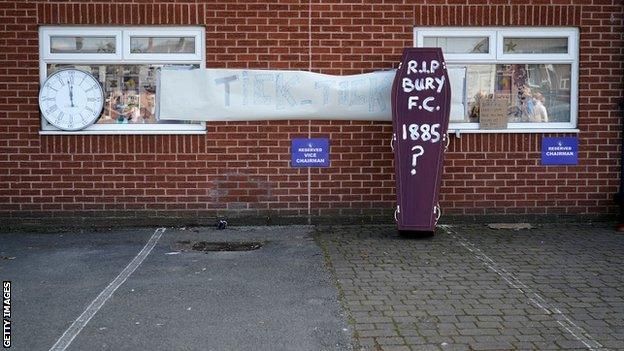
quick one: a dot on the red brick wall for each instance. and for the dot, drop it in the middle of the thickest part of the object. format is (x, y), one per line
(243, 168)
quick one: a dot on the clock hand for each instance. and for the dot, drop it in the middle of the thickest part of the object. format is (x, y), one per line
(71, 94)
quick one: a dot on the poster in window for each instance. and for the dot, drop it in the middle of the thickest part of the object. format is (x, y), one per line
(493, 112)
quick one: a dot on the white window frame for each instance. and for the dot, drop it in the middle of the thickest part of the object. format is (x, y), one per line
(122, 56)
(451, 32)
(499, 57)
(160, 32)
(46, 34)
(535, 32)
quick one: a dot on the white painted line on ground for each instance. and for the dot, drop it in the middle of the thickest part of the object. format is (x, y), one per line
(66, 339)
(577, 332)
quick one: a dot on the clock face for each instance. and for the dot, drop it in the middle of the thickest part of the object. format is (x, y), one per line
(71, 99)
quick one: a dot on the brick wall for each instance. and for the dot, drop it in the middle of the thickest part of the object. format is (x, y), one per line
(242, 169)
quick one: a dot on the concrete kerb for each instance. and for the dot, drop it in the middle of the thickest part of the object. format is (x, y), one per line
(34, 222)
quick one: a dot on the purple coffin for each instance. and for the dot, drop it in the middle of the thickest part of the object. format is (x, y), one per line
(421, 100)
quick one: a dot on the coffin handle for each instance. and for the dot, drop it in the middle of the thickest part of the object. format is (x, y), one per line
(437, 211)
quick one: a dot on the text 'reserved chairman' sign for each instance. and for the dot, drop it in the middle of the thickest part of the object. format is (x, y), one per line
(420, 109)
(560, 151)
(310, 152)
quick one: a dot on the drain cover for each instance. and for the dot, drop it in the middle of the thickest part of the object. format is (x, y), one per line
(225, 246)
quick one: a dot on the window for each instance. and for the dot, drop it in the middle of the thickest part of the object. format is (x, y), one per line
(509, 79)
(457, 45)
(125, 61)
(63, 44)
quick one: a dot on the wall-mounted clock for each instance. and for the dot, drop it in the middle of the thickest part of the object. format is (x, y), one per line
(71, 99)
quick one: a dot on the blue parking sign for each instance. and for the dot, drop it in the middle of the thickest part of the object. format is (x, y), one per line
(310, 152)
(560, 151)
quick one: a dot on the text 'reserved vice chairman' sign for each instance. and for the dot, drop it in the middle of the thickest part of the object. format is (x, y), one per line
(420, 109)
(310, 152)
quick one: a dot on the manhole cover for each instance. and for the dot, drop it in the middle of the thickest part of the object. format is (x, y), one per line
(225, 246)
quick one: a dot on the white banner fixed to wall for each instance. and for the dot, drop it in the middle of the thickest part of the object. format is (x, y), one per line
(247, 95)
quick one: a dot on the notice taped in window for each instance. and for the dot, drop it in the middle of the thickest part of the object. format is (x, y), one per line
(493, 113)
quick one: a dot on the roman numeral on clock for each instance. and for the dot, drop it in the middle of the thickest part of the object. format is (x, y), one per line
(51, 109)
(59, 118)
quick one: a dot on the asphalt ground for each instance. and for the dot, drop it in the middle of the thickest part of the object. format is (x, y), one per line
(106, 291)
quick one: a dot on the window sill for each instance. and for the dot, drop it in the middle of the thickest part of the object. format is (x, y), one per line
(458, 131)
(121, 132)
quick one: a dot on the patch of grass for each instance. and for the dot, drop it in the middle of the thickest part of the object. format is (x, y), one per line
(334, 277)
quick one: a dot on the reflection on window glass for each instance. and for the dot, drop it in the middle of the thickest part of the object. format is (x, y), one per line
(162, 45)
(535, 45)
(88, 45)
(459, 45)
(536, 93)
(129, 91)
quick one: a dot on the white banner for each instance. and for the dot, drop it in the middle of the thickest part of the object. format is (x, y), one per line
(246, 95)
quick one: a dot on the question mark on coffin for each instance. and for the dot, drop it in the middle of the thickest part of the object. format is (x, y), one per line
(418, 151)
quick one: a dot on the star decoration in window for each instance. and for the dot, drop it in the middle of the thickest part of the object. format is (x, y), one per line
(478, 47)
(511, 46)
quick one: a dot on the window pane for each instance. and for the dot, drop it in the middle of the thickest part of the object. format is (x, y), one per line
(535, 45)
(129, 92)
(459, 45)
(162, 45)
(88, 45)
(535, 93)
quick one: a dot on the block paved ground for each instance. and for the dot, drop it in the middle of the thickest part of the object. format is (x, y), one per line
(557, 287)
